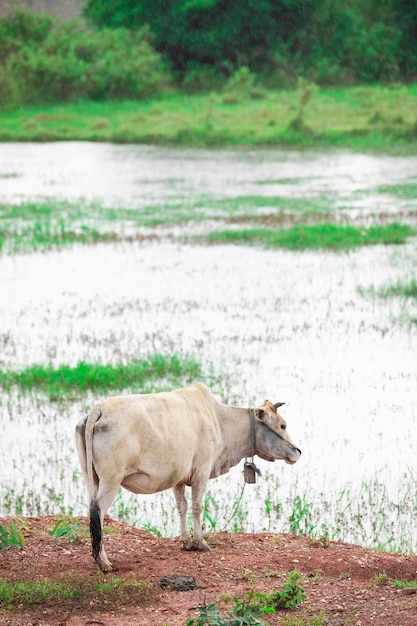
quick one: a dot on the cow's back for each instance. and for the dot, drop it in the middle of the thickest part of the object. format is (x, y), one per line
(165, 435)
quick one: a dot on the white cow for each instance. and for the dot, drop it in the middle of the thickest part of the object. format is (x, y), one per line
(148, 443)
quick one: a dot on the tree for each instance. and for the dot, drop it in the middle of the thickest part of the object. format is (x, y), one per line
(212, 32)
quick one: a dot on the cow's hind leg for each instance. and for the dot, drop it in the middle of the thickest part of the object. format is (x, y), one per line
(182, 506)
(198, 490)
(98, 509)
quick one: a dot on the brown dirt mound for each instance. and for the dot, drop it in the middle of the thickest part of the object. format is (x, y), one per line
(339, 579)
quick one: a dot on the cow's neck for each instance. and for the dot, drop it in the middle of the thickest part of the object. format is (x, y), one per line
(235, 426)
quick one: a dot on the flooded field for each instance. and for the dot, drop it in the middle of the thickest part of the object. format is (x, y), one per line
(270, 324)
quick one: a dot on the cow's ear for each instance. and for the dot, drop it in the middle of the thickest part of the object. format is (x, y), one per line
(261, 415)
(278, 404)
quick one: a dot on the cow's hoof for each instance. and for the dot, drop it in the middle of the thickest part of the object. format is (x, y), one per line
(187, 544)
(201, 546)
(105, 567)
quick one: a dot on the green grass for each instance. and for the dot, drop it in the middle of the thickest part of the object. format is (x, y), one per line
(14, 595)
(401, 584)
(316, 236)
(361, 118)
(21, 592)
(138, 376)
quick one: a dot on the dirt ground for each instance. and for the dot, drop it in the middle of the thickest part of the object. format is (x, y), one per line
(344, 584)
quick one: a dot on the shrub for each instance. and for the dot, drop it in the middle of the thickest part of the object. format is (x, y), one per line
(48, 61)
(11, 537)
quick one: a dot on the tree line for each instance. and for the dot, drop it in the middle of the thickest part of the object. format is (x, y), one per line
(136, 49)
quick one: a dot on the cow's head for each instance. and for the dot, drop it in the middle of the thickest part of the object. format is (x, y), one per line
(272, 439)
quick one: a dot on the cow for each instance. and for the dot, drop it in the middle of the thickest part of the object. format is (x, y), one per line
(152, 442)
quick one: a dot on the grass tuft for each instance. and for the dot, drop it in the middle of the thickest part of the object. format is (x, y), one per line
(111, 591)
(65, 381)
(317, 236)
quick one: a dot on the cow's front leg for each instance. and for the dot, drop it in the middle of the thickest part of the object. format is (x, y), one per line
(198, 490)
(182, 506)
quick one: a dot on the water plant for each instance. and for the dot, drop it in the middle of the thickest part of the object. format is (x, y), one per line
(316, 236)
(138, 375)
(399, 289)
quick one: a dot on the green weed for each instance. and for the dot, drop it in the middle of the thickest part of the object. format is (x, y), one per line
(69, 528)
(212, 616)
(401, 584)
(246, 611)
(381, 579)
(301, 517)
(11, 537)
(291, 593)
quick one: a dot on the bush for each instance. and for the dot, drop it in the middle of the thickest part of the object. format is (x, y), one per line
(53, 61)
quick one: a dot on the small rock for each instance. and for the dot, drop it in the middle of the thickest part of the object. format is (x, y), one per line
(408, 591)
(177, 582)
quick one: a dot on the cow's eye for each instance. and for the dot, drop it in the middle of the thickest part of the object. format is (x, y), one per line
(283, 426)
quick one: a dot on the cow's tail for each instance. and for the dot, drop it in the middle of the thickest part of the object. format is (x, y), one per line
(95, 513)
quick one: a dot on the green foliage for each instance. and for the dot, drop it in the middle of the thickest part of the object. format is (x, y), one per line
(208, 32)
(323, 40)
(247, 610)
(205, 42)
(289, 596)
(317, 236)
(52, 61)
(11, 537)
(212, 616)
(240, 86)
(291, 593)
(71, 529)
(138, 375)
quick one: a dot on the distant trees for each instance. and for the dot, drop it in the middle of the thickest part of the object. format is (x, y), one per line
(133, 48)
(324, 40)
(214, 32)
